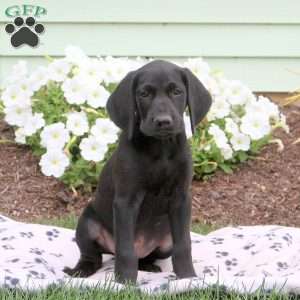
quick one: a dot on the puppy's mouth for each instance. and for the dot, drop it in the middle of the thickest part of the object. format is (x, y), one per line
(164, 133)
(161, 134)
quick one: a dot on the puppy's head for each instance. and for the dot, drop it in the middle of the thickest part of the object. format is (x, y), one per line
(153, 99)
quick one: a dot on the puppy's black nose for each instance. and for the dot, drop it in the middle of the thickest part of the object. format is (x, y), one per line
(163, 122)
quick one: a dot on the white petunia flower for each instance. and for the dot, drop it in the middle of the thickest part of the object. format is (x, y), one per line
(283, 124)
(263, 106)
(255, 125)
(17, 114)
(187, 126)
(77, 123)
(211, 115)
(97, 96)
(14, 95)
(271, 107)
(59, 69)
(231, 126)
(33, 124)
(26, 87)
(75, 55)
(226, 151)
(92, 149)
(237, 93)
(240, 141)
(197, 66)
(39, 78)
(219, 136)
(105, 131)
(92, 70)
(210, 84)
(75, 90)
(207, 147)
(54, 163)
(54, 136)
(114, 69)
(220, 108)
(18, 72)
(20, 136)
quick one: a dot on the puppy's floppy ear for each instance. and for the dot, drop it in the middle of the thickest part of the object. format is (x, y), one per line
(121, 105)
(198, 98)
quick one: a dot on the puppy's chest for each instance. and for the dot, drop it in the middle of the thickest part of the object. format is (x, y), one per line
(161, 182)
(162, 177)
(163, 174)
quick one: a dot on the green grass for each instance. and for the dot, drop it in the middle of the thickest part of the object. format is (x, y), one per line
(129, 294)
(63, 293)
(69, 221)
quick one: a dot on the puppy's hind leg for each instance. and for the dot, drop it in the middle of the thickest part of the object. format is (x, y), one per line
(147, 264)
(90, 251)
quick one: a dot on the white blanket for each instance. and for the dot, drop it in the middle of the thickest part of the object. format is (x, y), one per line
(243, 259)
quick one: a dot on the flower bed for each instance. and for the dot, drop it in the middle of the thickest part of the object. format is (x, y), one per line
(59, 111)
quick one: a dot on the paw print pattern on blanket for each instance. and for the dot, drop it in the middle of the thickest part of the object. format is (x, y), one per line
(220, 254)
(231, 263)
(217, 241)
(37, 251)
(7, 247)
(52, 234)
(10, 282)
(282, 266)
(35, 275)
(276, 246)
(288, 238)
(8, 238)
(27, 235)
(209, 270)
(239, 258)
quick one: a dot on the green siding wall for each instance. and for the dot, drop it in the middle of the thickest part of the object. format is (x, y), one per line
(255, 41)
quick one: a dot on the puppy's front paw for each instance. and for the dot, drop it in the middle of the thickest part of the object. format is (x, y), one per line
(72, 272)
(85, 271)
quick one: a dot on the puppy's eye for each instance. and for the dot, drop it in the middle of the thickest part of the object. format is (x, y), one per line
(144, 94)
(176, 91)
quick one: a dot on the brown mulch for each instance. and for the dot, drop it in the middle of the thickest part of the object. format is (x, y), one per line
(265, 190)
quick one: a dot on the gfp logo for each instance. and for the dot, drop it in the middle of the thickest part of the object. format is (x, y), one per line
(24, 29)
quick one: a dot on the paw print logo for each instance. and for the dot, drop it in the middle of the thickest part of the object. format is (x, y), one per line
(24, 32)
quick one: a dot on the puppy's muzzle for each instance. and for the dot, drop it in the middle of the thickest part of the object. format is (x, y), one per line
(163, 123)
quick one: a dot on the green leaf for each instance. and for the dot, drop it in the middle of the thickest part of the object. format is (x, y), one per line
(242, 156)
(226, 168)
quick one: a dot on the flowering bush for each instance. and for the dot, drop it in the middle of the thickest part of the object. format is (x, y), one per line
(59, 111)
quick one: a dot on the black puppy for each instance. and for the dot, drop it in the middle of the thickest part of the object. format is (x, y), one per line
(142, 207)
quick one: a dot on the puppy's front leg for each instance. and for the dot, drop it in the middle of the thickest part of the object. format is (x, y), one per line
(180, 217)
(126, 261)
